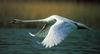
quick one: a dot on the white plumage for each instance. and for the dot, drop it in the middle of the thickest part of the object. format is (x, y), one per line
(57, 31)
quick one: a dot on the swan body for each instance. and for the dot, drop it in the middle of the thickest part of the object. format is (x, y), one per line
(60, 28)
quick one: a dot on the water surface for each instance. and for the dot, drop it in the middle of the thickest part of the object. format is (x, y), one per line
(18, 41)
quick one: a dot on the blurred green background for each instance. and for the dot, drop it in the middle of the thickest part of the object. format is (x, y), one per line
(86, 12)
(14, 38)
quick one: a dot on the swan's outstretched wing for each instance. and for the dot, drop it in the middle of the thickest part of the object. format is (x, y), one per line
(57, 33)
(44, 31)
(40, 33)
(32, 34)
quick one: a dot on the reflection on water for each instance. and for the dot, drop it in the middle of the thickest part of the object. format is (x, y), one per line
(18, 41)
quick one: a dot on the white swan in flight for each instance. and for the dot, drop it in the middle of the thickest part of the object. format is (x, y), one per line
(56, 28)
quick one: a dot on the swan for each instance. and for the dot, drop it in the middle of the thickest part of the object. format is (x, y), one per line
(56, 28)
